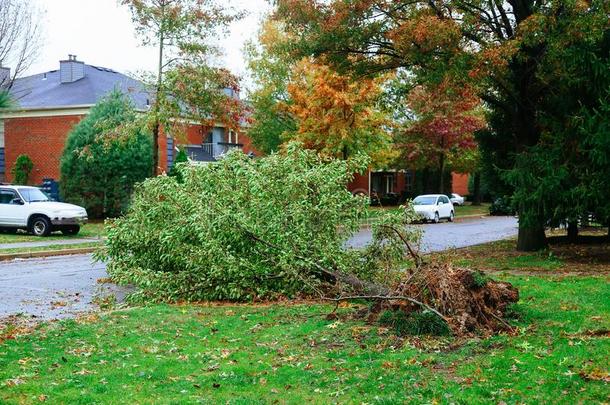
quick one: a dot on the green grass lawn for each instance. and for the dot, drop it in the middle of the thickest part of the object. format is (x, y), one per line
(49, 248)
(292, 354)
(464, 210)
(501, 256)
(90, 230)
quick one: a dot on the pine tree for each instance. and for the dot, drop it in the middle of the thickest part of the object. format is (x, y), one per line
(105, 155)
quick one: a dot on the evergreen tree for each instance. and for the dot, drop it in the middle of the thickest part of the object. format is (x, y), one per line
(105, 155)
(176, 170)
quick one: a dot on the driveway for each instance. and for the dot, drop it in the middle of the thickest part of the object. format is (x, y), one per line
(59, 287)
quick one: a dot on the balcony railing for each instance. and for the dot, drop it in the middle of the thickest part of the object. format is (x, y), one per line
(217, 149)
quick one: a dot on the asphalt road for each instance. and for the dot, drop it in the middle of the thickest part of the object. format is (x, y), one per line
(447, 235)
(59, 287)
(51, 287)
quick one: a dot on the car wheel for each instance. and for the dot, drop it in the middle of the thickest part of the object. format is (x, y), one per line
(451, 217)
(70, 230)
(436, 218)
(40, 226)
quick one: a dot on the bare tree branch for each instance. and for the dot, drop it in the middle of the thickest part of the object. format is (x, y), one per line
(20, 38)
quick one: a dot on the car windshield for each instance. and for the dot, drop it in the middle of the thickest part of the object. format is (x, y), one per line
(33, 195)
(424, 201)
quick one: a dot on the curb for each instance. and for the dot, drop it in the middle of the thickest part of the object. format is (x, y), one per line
(47, 253)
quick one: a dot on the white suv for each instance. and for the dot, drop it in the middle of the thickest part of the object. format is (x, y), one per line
(23, 207)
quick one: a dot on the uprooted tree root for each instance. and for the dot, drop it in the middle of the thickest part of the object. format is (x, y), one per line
(468, 301)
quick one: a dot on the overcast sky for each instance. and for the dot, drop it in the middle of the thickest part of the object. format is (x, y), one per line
(100, 32)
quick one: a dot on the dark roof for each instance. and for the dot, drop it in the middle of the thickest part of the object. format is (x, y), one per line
(45, 90)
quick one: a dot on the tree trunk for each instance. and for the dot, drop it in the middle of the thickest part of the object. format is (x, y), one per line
(477, 188)
(441, 181)
(531, 238)
(157, 106)
(572, 231)
(155, 134)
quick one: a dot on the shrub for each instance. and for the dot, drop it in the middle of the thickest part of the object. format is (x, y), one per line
(181, 159)
(501, 206)
(105, 155)
(22, 169)
(240, 229)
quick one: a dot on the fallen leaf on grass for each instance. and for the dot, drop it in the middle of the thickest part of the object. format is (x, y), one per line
(84, 372)
(595, 375)
(388, 365)
(12, 382)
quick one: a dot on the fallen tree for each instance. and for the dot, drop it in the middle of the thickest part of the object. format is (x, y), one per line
(256, 229)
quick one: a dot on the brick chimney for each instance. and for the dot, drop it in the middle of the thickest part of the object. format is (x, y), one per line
(71, 70)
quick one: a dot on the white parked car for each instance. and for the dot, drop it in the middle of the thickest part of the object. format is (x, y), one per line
(434, 207)
(23, 207)
(456, 199)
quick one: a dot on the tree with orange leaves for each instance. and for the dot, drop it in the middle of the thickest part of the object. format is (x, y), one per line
(335, 115)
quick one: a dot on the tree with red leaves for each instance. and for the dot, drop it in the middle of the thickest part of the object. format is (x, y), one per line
(447, 117)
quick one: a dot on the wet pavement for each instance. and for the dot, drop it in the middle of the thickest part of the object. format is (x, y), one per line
(61, 286)
(52, 287)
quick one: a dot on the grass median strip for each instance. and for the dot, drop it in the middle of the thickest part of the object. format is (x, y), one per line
(90, 230)
(49, 248)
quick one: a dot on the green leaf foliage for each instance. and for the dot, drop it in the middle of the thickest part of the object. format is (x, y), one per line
(21, 169)
(242, 229)
(6, 100)
(179, 161)
(270, 67)
(105, 155)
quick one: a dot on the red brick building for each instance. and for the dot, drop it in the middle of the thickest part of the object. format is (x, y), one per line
(398, 184)
(459, 183)
(49, 104)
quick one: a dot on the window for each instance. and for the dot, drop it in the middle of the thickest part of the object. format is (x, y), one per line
(170, 152)
(389, 183)
(33, 195)
(424, 201)
(409, 180)
(7, 196)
